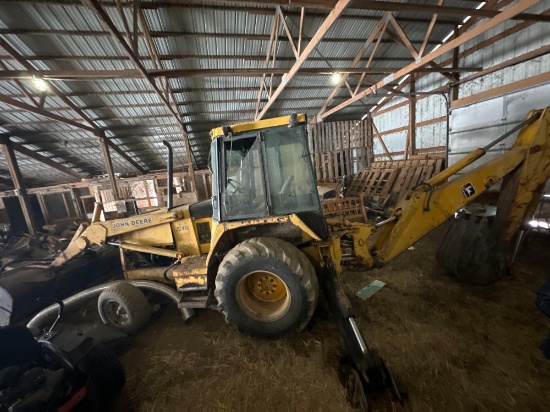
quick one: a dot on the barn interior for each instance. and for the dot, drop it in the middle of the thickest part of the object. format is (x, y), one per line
(387, 160)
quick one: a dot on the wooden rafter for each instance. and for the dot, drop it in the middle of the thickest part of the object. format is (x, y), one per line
(314, 11)
(404, 38)
(46, 160)
(371, 57)
(491, 4)
(274, 28)
(19, 185)
(287, 31)
(400, 7)
(169, 95)
(376, 31)
(316, 39)
(379, 136)
(65, 99)
(481, 28)
(429, 31)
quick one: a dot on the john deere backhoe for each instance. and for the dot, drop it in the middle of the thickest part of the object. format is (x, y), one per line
(260, 249)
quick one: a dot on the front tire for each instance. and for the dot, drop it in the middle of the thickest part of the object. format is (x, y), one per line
(266, 287)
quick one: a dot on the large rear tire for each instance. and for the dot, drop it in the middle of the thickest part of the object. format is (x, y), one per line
(470, 251)
(267, 287)
(124, 306)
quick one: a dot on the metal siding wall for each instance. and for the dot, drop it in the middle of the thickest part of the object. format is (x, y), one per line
(478, 124)
(393, 119)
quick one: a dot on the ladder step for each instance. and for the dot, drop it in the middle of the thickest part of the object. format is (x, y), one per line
(192, 302)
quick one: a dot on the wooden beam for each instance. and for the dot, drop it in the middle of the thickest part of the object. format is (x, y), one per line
(45, 113)
(411, 146)
(399, 7)
(314, 11)
(170, 57)
(404, 38)
(288, 33)
(503, 90)
(274, 28)
(170, 96)
(19, 186)
(65, 99)
(91, 75)
(109, 165)
(46, 160)
(95, 5)
(469, 35)
(301, 29)
(377, 30)
(315, 40)
(379, 136)
(429, 31)
(490, 4)
(371, 57)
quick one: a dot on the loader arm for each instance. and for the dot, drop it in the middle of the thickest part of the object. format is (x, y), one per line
(97, 233)
(526, 167)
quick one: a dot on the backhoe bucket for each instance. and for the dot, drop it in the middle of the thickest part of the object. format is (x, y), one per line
(471, 252)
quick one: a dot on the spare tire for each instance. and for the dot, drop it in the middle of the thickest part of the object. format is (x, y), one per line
(124, 306)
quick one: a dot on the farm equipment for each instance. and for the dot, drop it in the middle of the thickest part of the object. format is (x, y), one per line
(260, 249)
(58, 370)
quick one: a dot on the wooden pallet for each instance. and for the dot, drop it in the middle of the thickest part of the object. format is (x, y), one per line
(349, 208)
(372, 182)
(387, 182)
(411, 175)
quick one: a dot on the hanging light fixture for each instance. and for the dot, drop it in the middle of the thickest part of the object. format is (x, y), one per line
(336, 77)
(40, 84)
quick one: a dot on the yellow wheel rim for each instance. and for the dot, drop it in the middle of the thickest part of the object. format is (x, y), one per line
(263, 296)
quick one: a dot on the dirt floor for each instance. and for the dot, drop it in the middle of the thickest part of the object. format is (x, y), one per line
(457, 348)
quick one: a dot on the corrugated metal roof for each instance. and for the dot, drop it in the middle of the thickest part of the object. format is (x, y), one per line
(209, 36)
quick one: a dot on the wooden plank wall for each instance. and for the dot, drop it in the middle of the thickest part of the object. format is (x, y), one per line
(340, 148)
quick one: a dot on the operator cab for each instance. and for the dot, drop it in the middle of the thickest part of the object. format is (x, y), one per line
(264, 169)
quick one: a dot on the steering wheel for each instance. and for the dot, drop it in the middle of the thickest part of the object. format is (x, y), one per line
(238, 186)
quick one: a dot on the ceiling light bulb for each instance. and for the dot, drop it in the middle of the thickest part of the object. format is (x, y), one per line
(336, 78)
(40, 84)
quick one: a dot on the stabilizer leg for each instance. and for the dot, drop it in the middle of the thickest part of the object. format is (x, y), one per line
(364, 371)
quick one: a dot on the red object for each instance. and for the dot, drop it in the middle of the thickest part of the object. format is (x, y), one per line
(75, 400)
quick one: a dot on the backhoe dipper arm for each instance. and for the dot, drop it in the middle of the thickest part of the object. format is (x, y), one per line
(431, 203)
(97, 233)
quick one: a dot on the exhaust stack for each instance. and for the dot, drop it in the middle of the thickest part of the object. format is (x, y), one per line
(170, 175)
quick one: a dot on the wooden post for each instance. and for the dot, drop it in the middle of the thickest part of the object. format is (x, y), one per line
(456, 75)
(109, 165)
(411, 147)
(19, 185)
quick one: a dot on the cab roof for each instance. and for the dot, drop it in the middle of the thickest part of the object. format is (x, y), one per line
(258, 124)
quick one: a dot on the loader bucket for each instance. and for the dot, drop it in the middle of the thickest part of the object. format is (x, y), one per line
(471, 252)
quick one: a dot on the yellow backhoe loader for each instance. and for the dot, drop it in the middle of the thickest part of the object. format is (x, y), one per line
(260, 250)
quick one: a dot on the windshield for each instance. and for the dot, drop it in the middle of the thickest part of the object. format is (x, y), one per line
(243, 190)
(290, 176)
(274, 161)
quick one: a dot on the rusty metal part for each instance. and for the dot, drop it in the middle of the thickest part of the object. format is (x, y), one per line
(191, 271)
